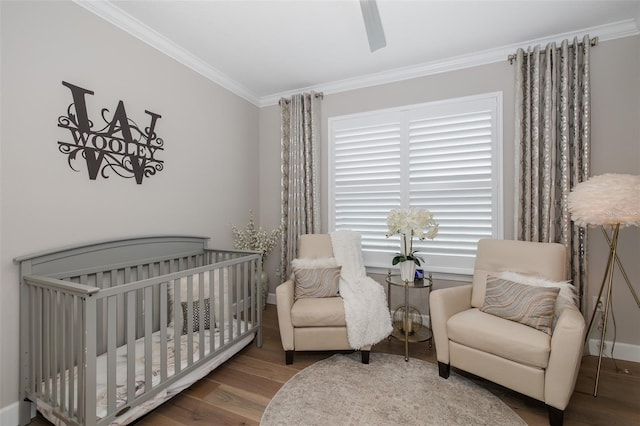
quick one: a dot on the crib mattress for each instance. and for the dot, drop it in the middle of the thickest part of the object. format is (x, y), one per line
(167, 393)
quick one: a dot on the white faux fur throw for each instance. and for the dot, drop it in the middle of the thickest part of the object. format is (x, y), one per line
(365, 302)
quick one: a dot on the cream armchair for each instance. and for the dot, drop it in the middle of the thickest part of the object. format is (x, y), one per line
(312, 324)
(519, 357)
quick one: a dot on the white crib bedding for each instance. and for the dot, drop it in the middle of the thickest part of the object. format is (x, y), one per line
(176, 387)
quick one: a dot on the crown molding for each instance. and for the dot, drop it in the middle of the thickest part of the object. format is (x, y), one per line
(621, 29)
(116, 16)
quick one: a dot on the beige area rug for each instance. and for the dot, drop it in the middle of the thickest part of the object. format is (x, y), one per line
(389, 391)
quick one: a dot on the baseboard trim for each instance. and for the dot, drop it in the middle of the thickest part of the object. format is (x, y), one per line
(622, 351)
(271, 299)
(10, 415)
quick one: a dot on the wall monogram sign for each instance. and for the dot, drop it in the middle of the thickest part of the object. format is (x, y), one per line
(119, 146)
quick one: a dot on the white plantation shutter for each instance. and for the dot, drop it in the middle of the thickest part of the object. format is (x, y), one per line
(443, 156)
(366, 178)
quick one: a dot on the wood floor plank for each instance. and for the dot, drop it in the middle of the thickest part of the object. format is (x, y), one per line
(158, 420)
(245, 381)
(246, 404)
(193, 411)
(260, 368)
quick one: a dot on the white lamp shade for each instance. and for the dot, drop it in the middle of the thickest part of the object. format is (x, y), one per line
(606, 200)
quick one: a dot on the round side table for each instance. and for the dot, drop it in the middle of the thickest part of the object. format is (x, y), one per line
(406, 331)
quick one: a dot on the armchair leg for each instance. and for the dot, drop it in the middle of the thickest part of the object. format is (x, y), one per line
(365, 356)
(288, 357)
(444, 369)
(555, 416)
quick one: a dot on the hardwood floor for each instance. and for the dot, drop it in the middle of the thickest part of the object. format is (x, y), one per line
(237, 392)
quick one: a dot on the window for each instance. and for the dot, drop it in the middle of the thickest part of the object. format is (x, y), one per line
(444, 156)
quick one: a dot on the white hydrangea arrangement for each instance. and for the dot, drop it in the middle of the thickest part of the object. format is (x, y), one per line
(254, 239)
(408, 223)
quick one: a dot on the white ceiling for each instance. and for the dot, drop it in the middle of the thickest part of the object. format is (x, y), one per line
(264, 49)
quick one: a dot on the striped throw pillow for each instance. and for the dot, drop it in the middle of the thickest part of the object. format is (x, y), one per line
(526, 304)
(316, 282)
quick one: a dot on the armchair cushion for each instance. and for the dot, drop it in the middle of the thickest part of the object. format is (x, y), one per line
(318, 312)
(526, 304)
(506, 339)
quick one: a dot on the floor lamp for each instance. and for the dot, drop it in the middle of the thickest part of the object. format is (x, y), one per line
(608, 201)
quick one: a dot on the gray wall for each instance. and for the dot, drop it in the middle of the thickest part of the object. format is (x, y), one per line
(615, 133)
(211, 162)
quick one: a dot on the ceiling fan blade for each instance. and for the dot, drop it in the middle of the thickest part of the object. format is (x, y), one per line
(373, 24)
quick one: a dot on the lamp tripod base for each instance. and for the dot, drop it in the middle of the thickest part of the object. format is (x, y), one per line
(607, 284)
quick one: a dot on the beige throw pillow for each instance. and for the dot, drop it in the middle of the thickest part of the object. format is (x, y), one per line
(317, 282)
(566, 298)
(529, 305)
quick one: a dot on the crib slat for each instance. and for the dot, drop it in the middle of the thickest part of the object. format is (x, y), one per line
(112, 303)
(176, 333)
(164, 321)
(257, 295)
(54, 346)
(114, 281)
(90, 360)
(163, 328)
(201, 346)
(131, 346)
(46, 343)
(212, 311)
(70, 351)
(189, 319)
(221, 307)
(258, 302)
(153, 271)
(139, 301)
(61, 345)
(148, 338)
(36, 336)
(245, 281)
(100, 312)
(238, 298)
(228, 282)
(80, 341)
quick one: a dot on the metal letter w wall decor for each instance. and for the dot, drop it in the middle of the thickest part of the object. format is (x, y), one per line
(119, 146)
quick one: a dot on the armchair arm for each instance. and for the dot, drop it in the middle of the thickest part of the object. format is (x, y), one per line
(567, 345)
(284, 302)
(443, 304)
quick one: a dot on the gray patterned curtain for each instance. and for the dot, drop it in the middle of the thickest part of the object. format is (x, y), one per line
(299, 185)
(553, 138)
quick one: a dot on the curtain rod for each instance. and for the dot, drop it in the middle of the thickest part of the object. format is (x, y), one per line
(594, 42)
(315, 94)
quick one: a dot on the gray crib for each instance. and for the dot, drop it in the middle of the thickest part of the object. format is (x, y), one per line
(110, 330)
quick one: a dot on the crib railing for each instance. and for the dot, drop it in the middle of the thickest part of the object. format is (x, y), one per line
(73, 318)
